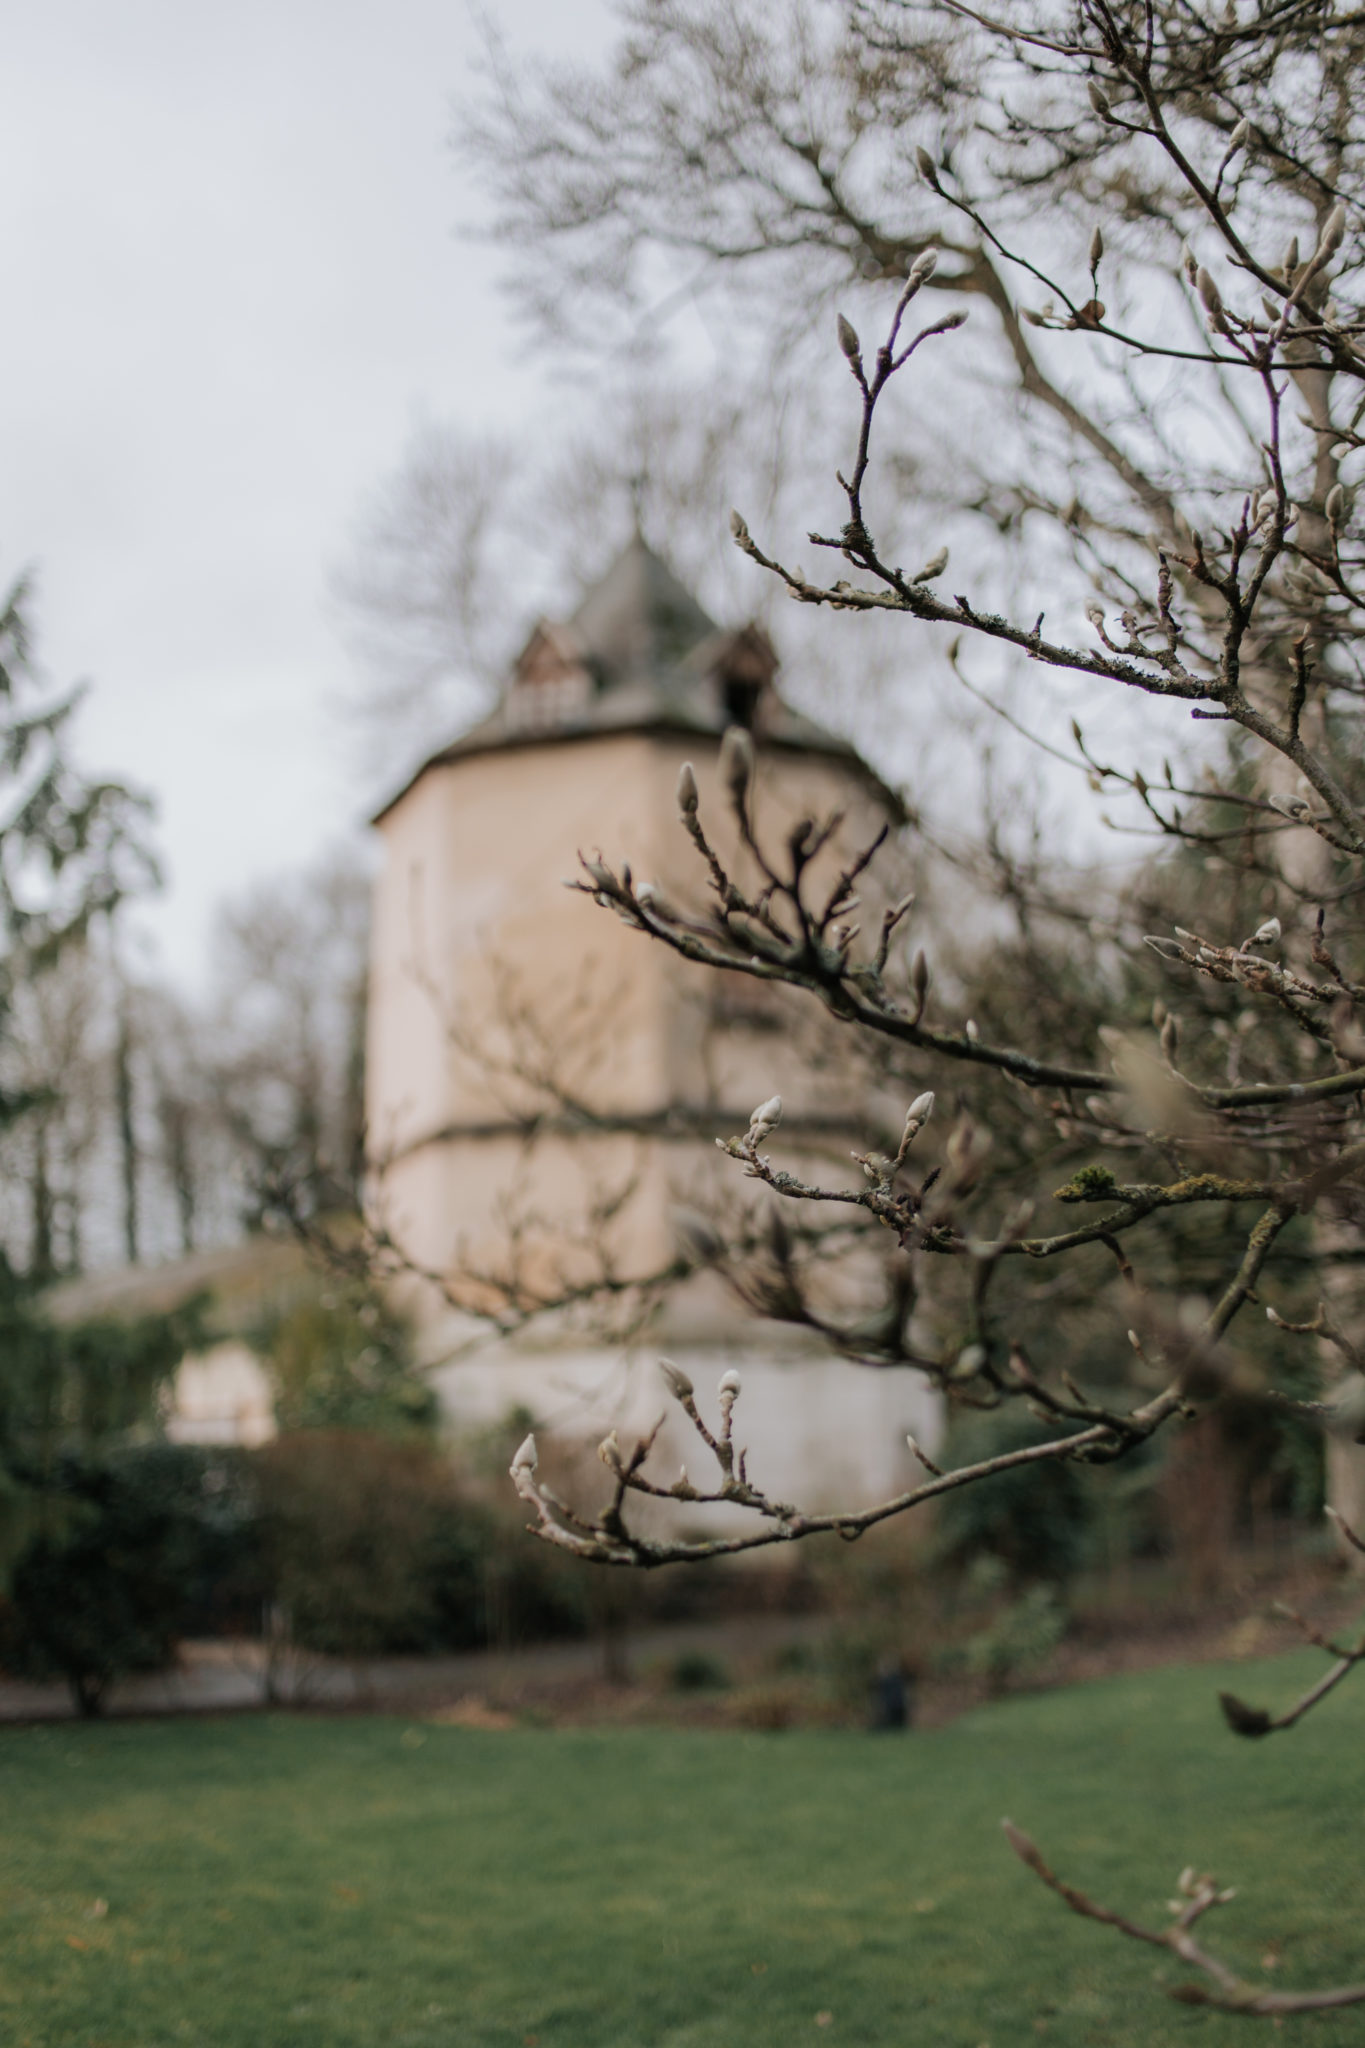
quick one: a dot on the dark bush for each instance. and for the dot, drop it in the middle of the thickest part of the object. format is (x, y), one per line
(373, 1545)
(1034, 1518)
(134, 1549)
(698, 1671)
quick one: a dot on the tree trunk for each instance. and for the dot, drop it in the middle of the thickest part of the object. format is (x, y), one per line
(123, 1091)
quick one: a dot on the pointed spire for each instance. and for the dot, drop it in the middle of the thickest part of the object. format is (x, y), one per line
(638, 622)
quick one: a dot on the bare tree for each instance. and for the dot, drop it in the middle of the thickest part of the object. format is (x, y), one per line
(414, 592)
(1156, 208)
(462, 546)
(286, 1056)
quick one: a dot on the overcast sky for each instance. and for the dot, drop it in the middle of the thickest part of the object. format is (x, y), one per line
(233, 282)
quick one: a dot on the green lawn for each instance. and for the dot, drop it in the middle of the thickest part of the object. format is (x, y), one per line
(297, 1880)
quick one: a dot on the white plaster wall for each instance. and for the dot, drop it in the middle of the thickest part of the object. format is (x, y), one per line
(221, 1396)
(819, 1433)
(473, 861)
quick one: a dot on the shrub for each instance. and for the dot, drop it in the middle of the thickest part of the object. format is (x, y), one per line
(373, 1545)
(1022, 1636)
(342, 1358)
(698, 1671)
(135, 1547)
(1033, 1518)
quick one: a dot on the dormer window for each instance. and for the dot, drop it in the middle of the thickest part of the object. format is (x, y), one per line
(551, 686)
(743, 669)
(740, 696)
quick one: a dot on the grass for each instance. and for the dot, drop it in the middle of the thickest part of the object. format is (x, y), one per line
(289, 1881)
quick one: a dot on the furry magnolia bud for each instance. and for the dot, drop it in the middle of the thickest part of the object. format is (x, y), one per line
(1212, 300)
(935, 566)
(766, 1117)
(848, 339)
(1095, 613)
(919, 981)
(739, 526)
(1334, 505)
(728, 1386)
(1332, 236)
(1023, 1848)
(1096, 249)
(924, 265)
(679, 1385)
(526, 1457)
(926, 166)
(609, 1451)
(1239, 137)
(1267, 934)
(737, 761)
(687, 790)
(916, 1117)
(1099, 99)
(1291, 258)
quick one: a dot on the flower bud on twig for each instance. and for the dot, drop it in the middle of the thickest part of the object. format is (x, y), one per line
(679, 1385)
(916, 1117)
(1096, 249)
(969, 1362)
(736, 761)
(926, 166)
(526, 1457)
(1334, 505)
(1332, 236)
(1099, 100)
(765, 1119)
(848, 340)
(687, 790)
(919, 981)
(1267, 934)
(935, 566)
(1023, 1848)
(609, 1451)
(924, 265)
(1213, 301)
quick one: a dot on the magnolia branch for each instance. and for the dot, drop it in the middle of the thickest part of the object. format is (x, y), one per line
(607, 1540)
(814, 950)
(1199, 1894)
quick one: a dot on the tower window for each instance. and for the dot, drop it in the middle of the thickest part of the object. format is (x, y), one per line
(739, 695)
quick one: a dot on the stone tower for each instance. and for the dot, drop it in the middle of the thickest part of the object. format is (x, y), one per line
(544, 1084)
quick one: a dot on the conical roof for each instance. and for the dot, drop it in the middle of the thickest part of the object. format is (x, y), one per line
(639, 654)
(637, 623)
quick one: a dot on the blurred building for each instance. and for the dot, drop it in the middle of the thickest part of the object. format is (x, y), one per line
(545, 1084)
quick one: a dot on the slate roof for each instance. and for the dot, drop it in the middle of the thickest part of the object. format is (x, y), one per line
(641, 655)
